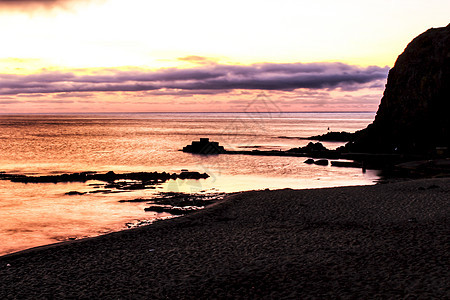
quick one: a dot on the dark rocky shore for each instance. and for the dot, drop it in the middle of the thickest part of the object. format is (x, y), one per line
(383, 241)
(179, 203)
(106, 177)
(113, 182)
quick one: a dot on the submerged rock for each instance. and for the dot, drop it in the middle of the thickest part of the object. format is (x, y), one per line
(72, 193)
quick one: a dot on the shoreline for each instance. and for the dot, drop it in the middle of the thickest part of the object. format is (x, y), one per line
(132, 213)
(329, 242)
(124, 229)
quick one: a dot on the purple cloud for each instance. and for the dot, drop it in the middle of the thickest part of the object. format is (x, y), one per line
(263, 76)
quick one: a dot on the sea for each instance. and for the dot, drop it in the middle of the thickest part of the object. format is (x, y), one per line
(36, 214)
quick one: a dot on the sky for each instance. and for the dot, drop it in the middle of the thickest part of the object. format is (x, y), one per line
(163, 56)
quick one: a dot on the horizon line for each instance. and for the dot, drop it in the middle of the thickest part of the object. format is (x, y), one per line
(180, 112)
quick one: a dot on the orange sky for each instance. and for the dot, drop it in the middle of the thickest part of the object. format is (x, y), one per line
(113, 55)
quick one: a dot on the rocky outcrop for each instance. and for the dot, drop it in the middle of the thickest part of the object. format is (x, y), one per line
(413, 116)
(311, 147)
(110, 177)
(204, 146)
(333, 136)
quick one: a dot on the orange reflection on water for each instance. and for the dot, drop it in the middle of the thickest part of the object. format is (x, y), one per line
(39, 214)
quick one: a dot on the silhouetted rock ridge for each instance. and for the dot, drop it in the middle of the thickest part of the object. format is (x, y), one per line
(413, 116)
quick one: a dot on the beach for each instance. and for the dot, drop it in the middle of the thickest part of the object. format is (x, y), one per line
(384, 241)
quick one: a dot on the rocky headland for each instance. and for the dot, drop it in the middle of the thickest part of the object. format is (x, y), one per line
(411, 123)
(413, 114)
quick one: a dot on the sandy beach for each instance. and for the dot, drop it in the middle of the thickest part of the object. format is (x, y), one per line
(385, 241)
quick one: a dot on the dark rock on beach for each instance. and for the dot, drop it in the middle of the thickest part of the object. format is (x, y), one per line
(172, 210)
(181, 199)
(424, 168)
(179, 203)
(187, 199)
(413, 113)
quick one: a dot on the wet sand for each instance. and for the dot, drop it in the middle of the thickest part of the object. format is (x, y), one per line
(385, 241)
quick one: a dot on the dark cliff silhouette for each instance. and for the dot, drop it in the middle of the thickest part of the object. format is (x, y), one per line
(413, 116)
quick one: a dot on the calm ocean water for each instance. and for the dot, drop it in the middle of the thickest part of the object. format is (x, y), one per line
(38, 214)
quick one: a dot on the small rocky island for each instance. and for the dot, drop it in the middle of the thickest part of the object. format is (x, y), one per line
(204, 146)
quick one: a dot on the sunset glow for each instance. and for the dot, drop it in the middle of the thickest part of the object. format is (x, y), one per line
(111, 55)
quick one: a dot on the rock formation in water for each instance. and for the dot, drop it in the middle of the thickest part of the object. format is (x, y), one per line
(413, 116)
(204, 146)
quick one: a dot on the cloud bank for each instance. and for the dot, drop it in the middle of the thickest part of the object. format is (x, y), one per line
(262, 76)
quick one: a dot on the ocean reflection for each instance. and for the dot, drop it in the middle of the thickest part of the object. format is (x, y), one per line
(38, 214)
